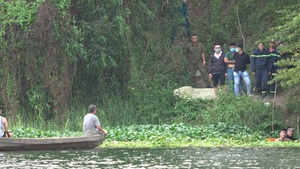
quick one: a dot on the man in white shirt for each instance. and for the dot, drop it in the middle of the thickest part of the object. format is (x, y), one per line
(91, 123)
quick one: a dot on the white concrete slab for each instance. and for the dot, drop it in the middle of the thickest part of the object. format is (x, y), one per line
(190, 92)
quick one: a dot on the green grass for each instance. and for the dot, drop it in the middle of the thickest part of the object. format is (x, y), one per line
(174, 135)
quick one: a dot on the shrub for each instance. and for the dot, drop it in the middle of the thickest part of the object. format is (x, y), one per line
(229, 109)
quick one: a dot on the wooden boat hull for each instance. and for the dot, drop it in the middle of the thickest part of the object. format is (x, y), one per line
(19, 144)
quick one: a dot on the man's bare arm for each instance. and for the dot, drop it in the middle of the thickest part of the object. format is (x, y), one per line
(4, 121)
(101, 129)
(226, 60)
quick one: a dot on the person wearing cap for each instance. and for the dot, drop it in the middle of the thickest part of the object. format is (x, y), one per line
(195, 54)
(242, 59)
(274, 58)
(4, 126)
(261, 68)
(217, 68)
(230, 63)
(91, 123)
(289, 134)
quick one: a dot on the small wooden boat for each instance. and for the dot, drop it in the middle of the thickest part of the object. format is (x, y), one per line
(19, 144)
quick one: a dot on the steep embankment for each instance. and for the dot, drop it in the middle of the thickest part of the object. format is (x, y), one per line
(231, 20)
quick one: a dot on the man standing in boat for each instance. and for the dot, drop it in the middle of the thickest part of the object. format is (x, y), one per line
(4, 126)
(91, 123)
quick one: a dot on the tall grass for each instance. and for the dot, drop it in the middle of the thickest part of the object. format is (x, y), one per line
(163, 108)
(227, 108)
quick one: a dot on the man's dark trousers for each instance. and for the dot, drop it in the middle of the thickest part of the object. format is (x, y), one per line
(262, 78)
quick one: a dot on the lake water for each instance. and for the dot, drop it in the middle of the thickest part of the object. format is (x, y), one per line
(194, 157)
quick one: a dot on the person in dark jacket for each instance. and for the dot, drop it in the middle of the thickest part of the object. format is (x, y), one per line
(289, 134)
(217, 68)
(261, 68)
(242, 59)
(274, 58)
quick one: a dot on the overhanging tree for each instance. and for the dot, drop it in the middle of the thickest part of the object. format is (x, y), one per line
(288, 33)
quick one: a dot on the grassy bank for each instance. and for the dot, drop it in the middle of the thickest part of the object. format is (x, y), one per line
(227, 108)
(173, 135)
(121, 60)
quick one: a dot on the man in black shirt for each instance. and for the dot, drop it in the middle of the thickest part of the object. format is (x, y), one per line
(289, 134)
(242, 59)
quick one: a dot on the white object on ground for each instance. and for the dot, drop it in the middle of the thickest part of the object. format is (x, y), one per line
(190, 92)
(267, 104)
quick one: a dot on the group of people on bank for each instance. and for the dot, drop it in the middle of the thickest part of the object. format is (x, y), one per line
(233, 64)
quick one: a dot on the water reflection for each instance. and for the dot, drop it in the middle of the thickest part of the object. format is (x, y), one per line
(155, 158)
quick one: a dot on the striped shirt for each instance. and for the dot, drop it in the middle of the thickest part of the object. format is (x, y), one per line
(260, 60)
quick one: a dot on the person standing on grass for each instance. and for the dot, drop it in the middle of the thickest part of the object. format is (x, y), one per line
(242, 59)
(91, 123)
(229, 60)
(261, 69)
(217, 68)
(4, 126)
(195, 54)
(274, 58)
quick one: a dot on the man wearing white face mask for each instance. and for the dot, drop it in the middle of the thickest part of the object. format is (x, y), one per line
(230, 62)
(242, 59)
(217, 68)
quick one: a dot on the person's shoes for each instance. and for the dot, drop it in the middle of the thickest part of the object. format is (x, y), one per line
(210, 86)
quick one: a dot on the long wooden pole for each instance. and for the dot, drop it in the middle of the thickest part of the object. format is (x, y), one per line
(240, 28)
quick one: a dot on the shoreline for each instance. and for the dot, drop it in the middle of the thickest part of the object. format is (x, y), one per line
(214, 143)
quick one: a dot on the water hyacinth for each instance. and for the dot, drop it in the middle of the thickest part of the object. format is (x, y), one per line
(150, 132)
(169, 135)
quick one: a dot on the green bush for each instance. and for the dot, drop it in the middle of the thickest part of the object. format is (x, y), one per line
(156, 133)
(20, 132)
(293, 102)
(229, 109)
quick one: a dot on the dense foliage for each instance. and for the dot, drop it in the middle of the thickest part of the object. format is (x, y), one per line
(228, 109)
(36, 133)
(59, 56)
(173, 135)
(183, 132)
(287, 33)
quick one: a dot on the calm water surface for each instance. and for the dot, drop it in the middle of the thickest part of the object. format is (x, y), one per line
(194, 157)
